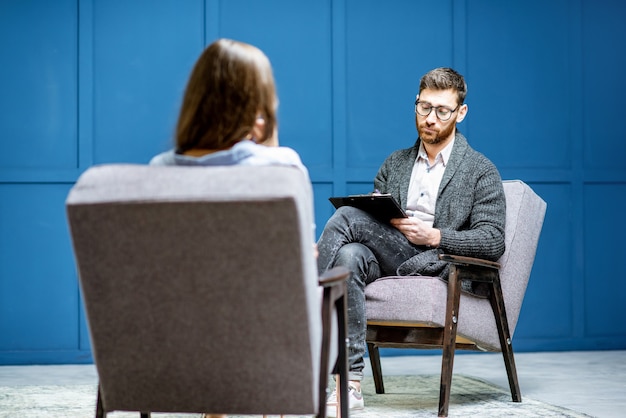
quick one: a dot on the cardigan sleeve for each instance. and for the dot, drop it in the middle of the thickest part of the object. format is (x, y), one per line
(471, 213)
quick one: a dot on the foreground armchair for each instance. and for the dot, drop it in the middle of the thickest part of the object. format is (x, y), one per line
(201, 290)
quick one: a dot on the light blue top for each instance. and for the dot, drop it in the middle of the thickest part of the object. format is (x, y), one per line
(244, 152)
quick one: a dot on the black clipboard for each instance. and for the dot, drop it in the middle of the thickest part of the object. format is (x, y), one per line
(381, 206)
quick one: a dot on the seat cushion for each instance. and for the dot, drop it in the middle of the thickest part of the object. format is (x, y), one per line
(399, 300)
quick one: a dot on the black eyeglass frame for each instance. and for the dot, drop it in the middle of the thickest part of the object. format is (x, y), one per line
(437, 110)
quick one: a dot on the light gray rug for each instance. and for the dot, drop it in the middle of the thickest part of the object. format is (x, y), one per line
(406, 396)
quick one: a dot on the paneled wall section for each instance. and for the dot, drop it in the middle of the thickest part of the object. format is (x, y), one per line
(91, 81)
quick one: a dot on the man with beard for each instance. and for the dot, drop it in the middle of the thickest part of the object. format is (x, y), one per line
(455, 200)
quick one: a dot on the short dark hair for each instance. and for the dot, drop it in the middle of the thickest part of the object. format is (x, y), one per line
(230, 85)
(444, 78)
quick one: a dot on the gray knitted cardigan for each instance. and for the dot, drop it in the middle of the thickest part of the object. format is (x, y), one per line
(470, 209)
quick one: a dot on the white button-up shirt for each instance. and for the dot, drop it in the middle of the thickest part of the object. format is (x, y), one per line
(424, 185)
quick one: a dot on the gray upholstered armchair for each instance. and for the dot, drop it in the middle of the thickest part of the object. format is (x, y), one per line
(201, 290)
(426, 312)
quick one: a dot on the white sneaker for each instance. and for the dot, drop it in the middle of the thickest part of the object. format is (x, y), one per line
(355, 398)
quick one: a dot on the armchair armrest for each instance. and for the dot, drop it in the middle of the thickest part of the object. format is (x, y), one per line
(334, 276)
(469, 261)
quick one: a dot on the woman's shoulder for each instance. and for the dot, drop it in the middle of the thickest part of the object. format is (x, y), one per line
(274, 155)
(164, 158)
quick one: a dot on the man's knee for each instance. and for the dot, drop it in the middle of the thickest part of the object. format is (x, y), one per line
(360, 260)
(354, 252)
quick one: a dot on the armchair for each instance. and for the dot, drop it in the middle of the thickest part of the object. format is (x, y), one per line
(426, 312)
(201, 290)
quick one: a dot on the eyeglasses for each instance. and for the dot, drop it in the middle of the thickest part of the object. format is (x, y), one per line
(442, 112)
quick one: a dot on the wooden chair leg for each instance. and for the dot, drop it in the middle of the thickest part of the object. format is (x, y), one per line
(324, 362)
(377, 372)
(449, 340)
(342, 361)
(339, 406)
(499, 311)
(99, 408)
(334, 296)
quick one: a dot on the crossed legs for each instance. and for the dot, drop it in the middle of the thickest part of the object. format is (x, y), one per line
(370, 250)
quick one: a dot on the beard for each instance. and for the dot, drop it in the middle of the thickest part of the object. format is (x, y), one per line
(430, 134)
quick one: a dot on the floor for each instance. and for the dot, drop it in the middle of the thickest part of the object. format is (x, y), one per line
(590, 382)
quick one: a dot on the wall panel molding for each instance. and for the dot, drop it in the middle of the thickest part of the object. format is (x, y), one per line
(86, 82)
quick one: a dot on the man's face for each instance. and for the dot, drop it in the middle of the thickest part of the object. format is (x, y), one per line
(431, 129)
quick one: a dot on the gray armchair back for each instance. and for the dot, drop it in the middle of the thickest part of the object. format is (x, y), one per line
(200, 287)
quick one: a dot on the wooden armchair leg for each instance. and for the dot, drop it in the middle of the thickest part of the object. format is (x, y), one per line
(499, 311)
(509, 363)
(342, 360)
(449, 340)
(99, 408)
(335, 291)
(324, 363)
(377, 371)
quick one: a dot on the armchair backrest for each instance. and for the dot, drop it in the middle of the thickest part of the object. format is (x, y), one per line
(525, 212)
(200, 287)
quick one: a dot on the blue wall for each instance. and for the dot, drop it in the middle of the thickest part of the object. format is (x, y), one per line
(97, 81)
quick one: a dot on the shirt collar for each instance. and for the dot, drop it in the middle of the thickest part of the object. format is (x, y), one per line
(443, 156)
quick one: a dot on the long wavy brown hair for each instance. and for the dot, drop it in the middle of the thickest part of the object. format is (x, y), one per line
(230, 86)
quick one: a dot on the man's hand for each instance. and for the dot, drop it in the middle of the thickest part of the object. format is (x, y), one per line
(417, 231)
